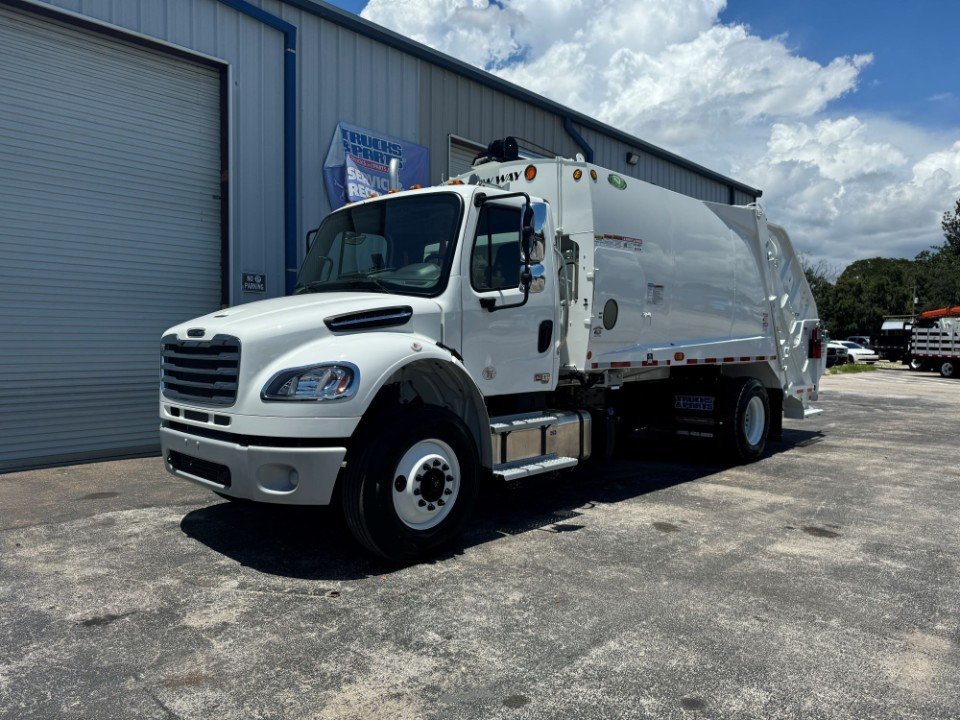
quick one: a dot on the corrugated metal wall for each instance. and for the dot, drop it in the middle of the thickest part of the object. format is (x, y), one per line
(255, 54)
(343, 75)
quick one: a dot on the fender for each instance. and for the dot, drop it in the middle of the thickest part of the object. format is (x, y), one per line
(385, 358)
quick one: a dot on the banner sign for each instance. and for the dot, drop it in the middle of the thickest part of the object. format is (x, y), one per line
(358, 164)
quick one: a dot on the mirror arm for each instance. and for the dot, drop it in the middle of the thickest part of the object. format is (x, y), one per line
(490, 303)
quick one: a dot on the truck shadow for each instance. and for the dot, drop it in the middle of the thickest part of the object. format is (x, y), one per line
(310, 543)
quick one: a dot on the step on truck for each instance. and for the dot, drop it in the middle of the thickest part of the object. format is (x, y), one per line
(513, 322)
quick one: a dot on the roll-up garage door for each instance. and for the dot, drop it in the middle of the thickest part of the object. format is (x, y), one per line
(462, 154)
(109, 233)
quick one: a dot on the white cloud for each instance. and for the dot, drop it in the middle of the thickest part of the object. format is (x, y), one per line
(671, 73)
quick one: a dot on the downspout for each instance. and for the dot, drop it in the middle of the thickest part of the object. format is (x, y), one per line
(578, 139)
(289, 131)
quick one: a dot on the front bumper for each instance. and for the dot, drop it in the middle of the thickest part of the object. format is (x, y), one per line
(287, 475)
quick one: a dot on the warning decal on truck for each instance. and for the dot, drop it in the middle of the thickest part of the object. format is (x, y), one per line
(619, 242)
(654, 294)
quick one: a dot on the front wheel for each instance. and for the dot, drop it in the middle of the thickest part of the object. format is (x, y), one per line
(948, 369)
(411, 483)
(746, 421)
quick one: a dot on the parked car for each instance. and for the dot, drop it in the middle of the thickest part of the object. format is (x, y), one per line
(857, 353)
(860, 340)
(837, 354)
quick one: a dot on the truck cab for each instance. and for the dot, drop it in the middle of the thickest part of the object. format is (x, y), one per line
(412, 313)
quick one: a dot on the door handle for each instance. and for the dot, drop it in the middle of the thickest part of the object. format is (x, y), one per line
(544, 336)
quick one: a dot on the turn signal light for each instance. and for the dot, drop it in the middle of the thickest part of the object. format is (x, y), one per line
(530, 172)
(415, 186)
(455, 182)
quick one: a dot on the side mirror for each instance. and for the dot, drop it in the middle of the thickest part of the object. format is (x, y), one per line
(311, 236)
(534, 222)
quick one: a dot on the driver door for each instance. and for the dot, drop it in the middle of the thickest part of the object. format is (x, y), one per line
(510, 349)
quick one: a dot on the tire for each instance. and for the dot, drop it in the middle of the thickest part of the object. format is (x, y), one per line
(381, 495)
(746, 421)
(851, 360)
(948, 369)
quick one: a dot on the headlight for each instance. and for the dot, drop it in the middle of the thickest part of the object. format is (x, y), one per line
(333, 381)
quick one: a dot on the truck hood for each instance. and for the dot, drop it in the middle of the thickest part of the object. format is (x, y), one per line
(291, 321)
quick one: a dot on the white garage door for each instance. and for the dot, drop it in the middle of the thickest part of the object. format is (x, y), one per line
(462, 153)
(109, 234)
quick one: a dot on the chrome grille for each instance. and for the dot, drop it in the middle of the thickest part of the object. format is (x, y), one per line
(202, 371)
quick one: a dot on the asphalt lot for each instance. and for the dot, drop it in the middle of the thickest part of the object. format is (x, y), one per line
(822, 582)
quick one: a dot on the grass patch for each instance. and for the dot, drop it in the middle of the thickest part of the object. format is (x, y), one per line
(852, 368)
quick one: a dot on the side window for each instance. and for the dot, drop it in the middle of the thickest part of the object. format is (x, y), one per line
(495, 261)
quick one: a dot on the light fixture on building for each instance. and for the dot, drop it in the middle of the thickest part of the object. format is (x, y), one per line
(632, 158)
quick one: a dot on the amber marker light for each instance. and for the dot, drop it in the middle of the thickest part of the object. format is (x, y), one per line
(529, 173)
(577, 174)
(593, 175)
(678, 356)
(455, 182)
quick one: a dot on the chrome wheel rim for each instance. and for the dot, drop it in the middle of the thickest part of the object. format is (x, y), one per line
(753, 420)
(426, 483)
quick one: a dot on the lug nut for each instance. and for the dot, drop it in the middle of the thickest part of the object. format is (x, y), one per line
(400, 483)
(422, 503)
(416, 491)
(426, 467)
(449, 478)
(445, 467)
(436, 463)
(431, 507)
(447, 491)
(441, 501)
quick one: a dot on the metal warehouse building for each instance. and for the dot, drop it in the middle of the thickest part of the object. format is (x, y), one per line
(153, 153)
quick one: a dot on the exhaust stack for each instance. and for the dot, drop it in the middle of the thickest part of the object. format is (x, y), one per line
(394, 174)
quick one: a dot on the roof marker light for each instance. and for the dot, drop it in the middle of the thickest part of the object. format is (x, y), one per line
(593, 175)
(577, 174)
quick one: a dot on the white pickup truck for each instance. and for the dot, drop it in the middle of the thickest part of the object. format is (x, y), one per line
(502, 325)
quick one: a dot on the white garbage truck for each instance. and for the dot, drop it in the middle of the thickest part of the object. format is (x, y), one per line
(513, 322)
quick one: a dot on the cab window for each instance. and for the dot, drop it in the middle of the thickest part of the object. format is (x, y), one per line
(495, 260)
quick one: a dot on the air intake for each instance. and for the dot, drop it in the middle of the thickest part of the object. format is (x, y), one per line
(369, 319)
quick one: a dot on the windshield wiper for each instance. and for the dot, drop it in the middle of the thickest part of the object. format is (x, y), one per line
(344, 283)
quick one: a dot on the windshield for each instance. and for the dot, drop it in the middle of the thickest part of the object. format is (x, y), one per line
(400, 245)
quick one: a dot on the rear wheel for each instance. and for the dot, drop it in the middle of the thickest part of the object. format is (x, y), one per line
(746, 422)
(948, 369)
(411, 483)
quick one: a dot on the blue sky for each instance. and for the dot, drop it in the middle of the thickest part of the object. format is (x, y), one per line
(845, 113)
(915, 74)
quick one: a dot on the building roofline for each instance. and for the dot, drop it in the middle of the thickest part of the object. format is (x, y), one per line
(388, 37)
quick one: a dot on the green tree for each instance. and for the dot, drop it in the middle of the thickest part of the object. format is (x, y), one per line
(951, 230)
(938, 269)
(867, 290)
